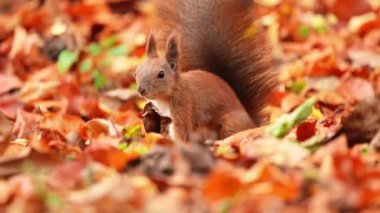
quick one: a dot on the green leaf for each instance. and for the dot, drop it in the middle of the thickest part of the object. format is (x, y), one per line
(319, 23)
(304, 31)
(123, 146)
(99, 79)
(141, 149)
(71, 156)
(53, 200)
(225, 206)
(365, 151)
(314, 143)
(286, 123)
(85, 65)
(133, 87)
(120, 50)
(94, 49)
(108, 42)
(298, 86)
(66, 60)
(136, 147)
(28, 168)
(105, 63)
(132, 132)
(303, 111)
(311, 174)
(224, 149)
(89, 176)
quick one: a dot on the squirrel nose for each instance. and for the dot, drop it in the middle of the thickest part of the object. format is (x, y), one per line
(141, 90)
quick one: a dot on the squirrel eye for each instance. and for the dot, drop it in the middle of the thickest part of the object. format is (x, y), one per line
(161, 74)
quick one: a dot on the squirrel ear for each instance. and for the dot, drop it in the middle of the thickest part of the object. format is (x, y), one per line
(172, 52)
(151, 49)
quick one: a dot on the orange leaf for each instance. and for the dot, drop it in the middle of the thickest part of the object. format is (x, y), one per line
(110, 156)
(221, 184)
(63, 124)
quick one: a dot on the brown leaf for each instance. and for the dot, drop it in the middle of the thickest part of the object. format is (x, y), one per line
(338, 145)
(66, 125)
(356, 89)
(26, 123)
(236, 139)
(153, 122)
(290, 102)
(282, 153)
(97, 127)
(67, 176)
(14, 151)
(8, 83)
(19, 41)
(364, 58)
(6, 127)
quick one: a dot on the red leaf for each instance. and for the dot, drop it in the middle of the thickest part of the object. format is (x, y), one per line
(345, 9)
(277, 97)
(306, 130)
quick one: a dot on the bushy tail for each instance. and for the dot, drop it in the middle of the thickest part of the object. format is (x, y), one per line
(220, 36)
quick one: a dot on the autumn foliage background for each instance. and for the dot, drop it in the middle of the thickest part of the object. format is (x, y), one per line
(71, 133)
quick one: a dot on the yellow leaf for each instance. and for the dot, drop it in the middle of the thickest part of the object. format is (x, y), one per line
(316, 113)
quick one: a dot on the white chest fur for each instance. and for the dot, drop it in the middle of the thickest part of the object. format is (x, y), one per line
(163, 107)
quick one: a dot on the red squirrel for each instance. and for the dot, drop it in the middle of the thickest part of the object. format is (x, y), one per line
(216, 73)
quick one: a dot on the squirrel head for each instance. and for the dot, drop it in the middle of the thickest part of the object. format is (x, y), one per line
(157, 76)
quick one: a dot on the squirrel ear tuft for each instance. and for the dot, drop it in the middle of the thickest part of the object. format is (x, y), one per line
(172, 52)
(151, 49)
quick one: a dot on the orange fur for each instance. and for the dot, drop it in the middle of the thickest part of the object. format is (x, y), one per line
(216, 71)
(220, 36)
(201, 105)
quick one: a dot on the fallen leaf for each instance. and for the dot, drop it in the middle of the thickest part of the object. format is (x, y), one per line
(362, 58)
(109, 155)
(285, 123)
(356, 89)
(97, 127)
(66, 59)
(19, 41)
(66, 125)
(337, 146)
(6, 127)
(345, 10)
(216, 189)
(306, 130)
(8, 83)
(283, 153)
